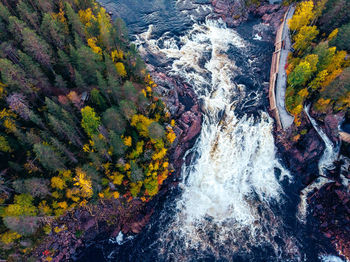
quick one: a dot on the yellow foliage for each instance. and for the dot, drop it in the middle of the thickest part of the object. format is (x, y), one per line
(44, 208)
(10, 125)
(331, 77)
(120, 69)
(8, 237)
(63, 205)
(59, 229)
(160, 155)
(151, 186)
(138, 150)
(117, 55)
(172, 122)
(303, 15)
(297, 110)
(322, 103)
(4, 145)
(92, 44)
(304, 37)
(83, 203)
(86, 16)
(83, 182)
(127, 141)
(57, 182)
(6, 114)
(116, 194)
(127, 166)
(171, 136)
(47, 229)
(55, 194)
(144, 92)
(345, 101)
(59, 16)
(337, 62)
(319, 79)
(165, 165)
(103, 21)
(333, 34)
(86, 148)
(141, 123)
(117, 178)
(303, 92)
(2, 90)
(162, 177)
(71, 193)
(135, 188)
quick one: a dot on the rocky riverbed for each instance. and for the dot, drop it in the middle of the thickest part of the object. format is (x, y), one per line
(328, 206)
(78, 229)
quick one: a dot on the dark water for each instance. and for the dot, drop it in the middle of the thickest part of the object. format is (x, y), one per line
(182, 42)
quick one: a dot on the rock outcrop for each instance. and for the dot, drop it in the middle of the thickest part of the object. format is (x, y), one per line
(184, 107)
(234, 12)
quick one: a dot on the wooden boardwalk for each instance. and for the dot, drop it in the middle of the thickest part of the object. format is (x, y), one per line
(274, 72)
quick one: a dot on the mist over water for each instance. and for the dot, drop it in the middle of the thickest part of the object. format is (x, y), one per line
(230, 204)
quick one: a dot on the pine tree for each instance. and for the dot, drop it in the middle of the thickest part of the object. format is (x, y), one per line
(73, 20)
(113, 120)
(49, 159)
(52, 31)
(27, 14)
(37, 47)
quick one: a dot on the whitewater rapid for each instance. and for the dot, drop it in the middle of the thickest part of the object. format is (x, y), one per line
(326, 162)
(230, 185)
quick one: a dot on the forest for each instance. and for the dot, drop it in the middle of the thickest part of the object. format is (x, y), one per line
(318, 68)
(80, 121)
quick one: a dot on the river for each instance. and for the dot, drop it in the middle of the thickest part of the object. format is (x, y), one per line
(236, 200)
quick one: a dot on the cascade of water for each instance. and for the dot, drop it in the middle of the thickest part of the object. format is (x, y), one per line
(330, 153)
(326, 161)
(231, 179)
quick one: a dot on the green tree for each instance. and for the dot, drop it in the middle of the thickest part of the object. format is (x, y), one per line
(27, 14)
(156, 131)
(36, 47)
(48, 157)
(128, 108)
(113, 120)
(73, 20)
(52, 31)
(304, 37)
(300, 75)
(342, 40)
(117, 144)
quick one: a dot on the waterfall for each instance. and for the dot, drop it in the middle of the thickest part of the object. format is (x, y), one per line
(330, 153)
(230, 185)
(326, 161)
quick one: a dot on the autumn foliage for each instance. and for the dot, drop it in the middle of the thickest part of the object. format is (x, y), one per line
(315, 64)
(79, 119)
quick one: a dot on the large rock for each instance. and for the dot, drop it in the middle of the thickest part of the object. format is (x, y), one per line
(184, 108)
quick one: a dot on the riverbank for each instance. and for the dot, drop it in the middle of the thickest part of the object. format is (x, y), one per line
(107, 218)
(129, 217)
(301, 148)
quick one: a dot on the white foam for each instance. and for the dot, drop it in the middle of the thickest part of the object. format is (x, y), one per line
(331, 258)
(232, 179)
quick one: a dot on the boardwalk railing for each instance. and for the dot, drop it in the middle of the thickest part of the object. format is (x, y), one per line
(274, 71)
